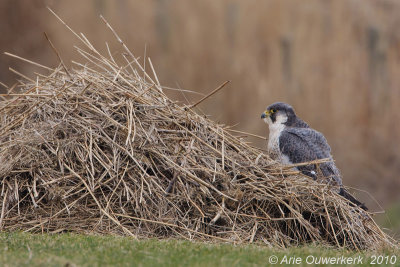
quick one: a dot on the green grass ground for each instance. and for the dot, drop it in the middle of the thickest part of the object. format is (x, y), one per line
(21, 249)
(391, 220)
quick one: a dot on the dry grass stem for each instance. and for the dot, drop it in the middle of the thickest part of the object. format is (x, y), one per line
(101, 149)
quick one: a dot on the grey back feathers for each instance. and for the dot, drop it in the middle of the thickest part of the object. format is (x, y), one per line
(306, 144)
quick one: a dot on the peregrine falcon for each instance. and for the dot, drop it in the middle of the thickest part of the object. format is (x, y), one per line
(291, 141)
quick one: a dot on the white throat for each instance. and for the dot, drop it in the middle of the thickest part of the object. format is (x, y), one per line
(275, 129)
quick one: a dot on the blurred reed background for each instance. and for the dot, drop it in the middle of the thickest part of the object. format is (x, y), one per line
(336, 62)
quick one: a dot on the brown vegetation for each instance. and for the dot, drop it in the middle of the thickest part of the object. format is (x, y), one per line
(102, 149)
(336, 62)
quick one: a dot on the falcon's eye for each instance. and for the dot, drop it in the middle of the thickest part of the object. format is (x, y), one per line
(273, 110)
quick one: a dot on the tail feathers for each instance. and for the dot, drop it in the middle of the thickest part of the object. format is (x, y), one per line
(349, 197)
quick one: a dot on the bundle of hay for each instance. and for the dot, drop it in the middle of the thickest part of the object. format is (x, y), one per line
(101, 149)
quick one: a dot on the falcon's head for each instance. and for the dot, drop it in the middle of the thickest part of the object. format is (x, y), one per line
(282, 113)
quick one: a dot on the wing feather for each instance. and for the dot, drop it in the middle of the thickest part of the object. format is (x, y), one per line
(306, 144)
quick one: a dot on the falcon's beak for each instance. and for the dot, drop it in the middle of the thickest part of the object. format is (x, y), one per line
(265, 114)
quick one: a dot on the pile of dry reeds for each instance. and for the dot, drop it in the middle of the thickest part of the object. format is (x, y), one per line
(101, 149)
